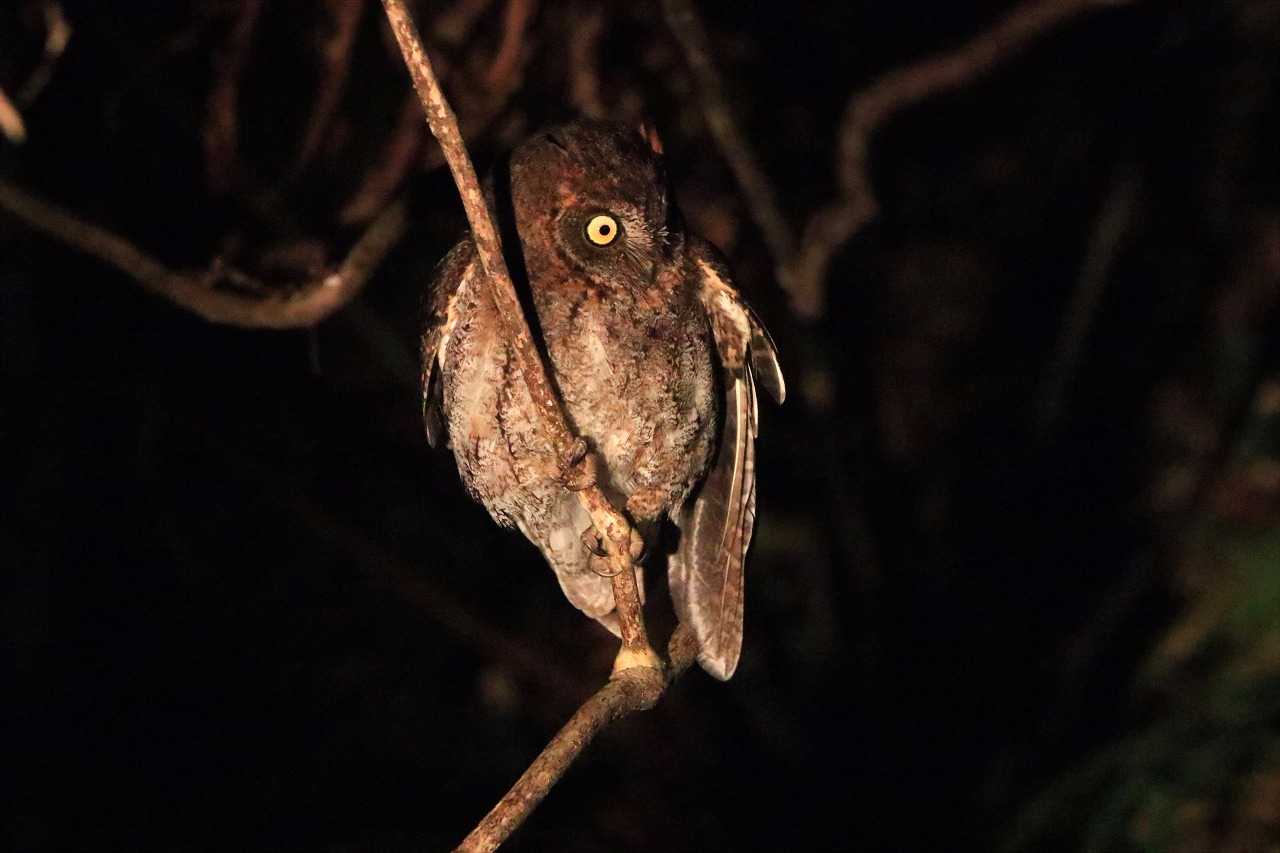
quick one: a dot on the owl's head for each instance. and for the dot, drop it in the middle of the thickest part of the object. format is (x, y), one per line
(591, 198)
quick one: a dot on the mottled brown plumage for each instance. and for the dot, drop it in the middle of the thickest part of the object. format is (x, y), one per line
(654, 354)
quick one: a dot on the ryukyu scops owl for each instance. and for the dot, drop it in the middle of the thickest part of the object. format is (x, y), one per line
(654, 353)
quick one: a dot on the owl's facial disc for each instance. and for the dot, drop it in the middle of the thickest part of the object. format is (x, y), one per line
(592, 197)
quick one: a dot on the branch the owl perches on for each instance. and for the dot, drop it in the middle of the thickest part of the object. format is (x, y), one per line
(577, 464)
(639, 677)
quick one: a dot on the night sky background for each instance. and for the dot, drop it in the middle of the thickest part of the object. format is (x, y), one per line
(1016, 576)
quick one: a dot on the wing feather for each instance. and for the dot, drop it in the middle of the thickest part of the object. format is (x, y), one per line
(438, 319)
(706, 574)
(764, 358)
(706, 571)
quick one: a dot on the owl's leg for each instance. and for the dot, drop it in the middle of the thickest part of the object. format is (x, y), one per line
(558, 537)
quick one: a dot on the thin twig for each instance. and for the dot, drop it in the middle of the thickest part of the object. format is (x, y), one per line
(221, 135)
(11, 124)
(585, 25)
(577, 464)
(761, 200)
(870, 109)
(57, 32)
(453, 25)
(301, 307)
(506, 64)
(633, 690)
(1104, 243)
(344, 16)
(404, 150)
(389, 168)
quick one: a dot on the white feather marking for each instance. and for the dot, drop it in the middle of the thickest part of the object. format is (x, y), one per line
(451, 315)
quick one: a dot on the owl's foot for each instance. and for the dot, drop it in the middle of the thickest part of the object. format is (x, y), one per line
(593, 543)
(599, 557)
(578, 468)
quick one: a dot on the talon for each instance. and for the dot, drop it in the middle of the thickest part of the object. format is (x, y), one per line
(593, 543)
(576, 451)
(579, 469)
(639, 548)
(600, 566)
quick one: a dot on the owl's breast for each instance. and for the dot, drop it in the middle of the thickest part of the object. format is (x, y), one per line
(636, 378)
(636, 381)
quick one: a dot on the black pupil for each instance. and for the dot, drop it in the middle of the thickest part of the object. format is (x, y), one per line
(604, 230)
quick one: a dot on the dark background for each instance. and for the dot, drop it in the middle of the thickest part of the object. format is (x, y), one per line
(1015, 579)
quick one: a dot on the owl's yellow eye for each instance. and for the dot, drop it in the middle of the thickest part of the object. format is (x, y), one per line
(602, 229)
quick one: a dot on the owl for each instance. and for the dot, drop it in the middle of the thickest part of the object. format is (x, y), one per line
(653, 352)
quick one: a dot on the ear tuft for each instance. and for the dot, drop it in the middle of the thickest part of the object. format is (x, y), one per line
(650, 134)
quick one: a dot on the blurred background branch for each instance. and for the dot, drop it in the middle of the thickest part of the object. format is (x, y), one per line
(737, 151)
(301, 305)
(831, 227)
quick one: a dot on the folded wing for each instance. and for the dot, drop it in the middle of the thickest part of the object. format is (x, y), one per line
(438, 318)
(706, 571)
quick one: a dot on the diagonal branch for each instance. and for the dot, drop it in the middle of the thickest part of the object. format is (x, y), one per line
(305, 306)
(577, 464)
(1114, 221)
(11, 124)
(221, 131)
(344, 22)
(635, 689)
(762, 202)
(638, 678)
(506, 64)
(584, 33)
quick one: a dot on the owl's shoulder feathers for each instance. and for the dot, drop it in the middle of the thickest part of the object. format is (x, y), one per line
(438, 318)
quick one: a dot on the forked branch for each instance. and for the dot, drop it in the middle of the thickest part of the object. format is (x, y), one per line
(635, 689)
